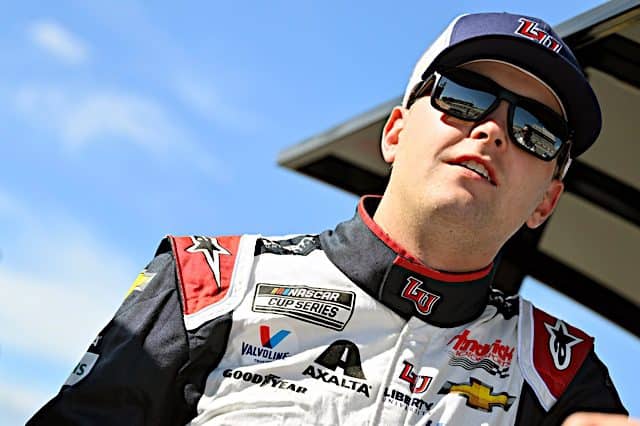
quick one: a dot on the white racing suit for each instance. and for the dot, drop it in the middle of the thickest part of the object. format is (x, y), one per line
(343, 327)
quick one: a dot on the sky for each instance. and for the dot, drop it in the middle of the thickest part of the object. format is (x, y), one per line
(121, 122)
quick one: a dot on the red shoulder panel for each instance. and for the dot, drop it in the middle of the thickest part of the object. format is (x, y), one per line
(559, 350)
(204, 267)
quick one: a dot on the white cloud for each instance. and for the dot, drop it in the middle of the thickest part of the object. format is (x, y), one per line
(57, 317)
(18, 403)
(58, 41)
(60, 283)
(203, 98)
(100, 116)
(140, 120)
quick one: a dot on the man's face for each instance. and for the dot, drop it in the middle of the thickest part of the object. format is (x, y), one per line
(428, 149)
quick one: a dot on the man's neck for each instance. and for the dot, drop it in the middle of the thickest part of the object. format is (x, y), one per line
(434, 240)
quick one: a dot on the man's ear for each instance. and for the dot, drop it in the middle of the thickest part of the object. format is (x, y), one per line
(391, 133)
(549, 201)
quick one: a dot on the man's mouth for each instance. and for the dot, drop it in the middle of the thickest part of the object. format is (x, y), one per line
(478, 168)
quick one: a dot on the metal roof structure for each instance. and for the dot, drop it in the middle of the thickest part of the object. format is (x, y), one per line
(589, 248)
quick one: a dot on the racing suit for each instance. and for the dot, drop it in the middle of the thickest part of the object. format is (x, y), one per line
(344, 327)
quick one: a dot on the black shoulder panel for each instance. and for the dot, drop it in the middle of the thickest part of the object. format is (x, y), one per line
(591, 390)
(300, 245)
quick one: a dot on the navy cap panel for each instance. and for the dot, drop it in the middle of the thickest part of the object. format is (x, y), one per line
(527, 28)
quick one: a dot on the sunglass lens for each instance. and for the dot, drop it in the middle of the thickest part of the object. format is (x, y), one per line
(460, 101)
(533, 135)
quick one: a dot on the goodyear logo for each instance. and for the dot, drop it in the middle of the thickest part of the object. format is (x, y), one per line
(325, 307)
(479, 395)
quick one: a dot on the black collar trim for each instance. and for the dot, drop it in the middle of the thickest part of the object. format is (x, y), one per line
(385, 270)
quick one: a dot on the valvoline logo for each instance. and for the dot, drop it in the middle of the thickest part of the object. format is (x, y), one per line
(271, 341)
(265, 352)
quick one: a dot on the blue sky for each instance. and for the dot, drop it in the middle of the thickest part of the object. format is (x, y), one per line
(125, 121)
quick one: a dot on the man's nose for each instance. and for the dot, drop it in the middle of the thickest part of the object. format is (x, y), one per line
(493, 128)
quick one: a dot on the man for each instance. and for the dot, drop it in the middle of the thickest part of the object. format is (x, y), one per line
(389, 318)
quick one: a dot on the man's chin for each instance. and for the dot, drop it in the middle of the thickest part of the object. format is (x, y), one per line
(462, 194)
(461, 205)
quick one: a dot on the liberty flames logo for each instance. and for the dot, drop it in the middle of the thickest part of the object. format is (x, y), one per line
(530, 30)
(417, 383)
(422, 299)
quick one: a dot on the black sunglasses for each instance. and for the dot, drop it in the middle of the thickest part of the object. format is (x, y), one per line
(533, 126)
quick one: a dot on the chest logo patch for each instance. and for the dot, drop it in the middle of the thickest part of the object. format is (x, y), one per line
(468, 353)
(340, 355)
(268, 341)
(423, 300)
(262, 380)
(271, 341)
(417, 383)
(327, 308)
(479, 395)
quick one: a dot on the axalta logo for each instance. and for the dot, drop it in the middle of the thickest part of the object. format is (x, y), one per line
(345, 355)
(530, 30)
(479, 395)
(423, 300)
(560, 344)
(495, 358)
(268, 342)
(263, 380)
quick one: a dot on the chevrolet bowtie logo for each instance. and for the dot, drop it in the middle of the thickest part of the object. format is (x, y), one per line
(479, 395)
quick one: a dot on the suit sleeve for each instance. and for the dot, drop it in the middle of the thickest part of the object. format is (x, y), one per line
(591, 390)
(144, 368)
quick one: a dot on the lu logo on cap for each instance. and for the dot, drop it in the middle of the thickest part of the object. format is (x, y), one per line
(530, 29)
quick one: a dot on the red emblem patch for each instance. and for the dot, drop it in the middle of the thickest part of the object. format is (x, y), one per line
(204, 268)
(559, 350)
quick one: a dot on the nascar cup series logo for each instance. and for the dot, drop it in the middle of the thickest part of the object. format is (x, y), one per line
(324, 307)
